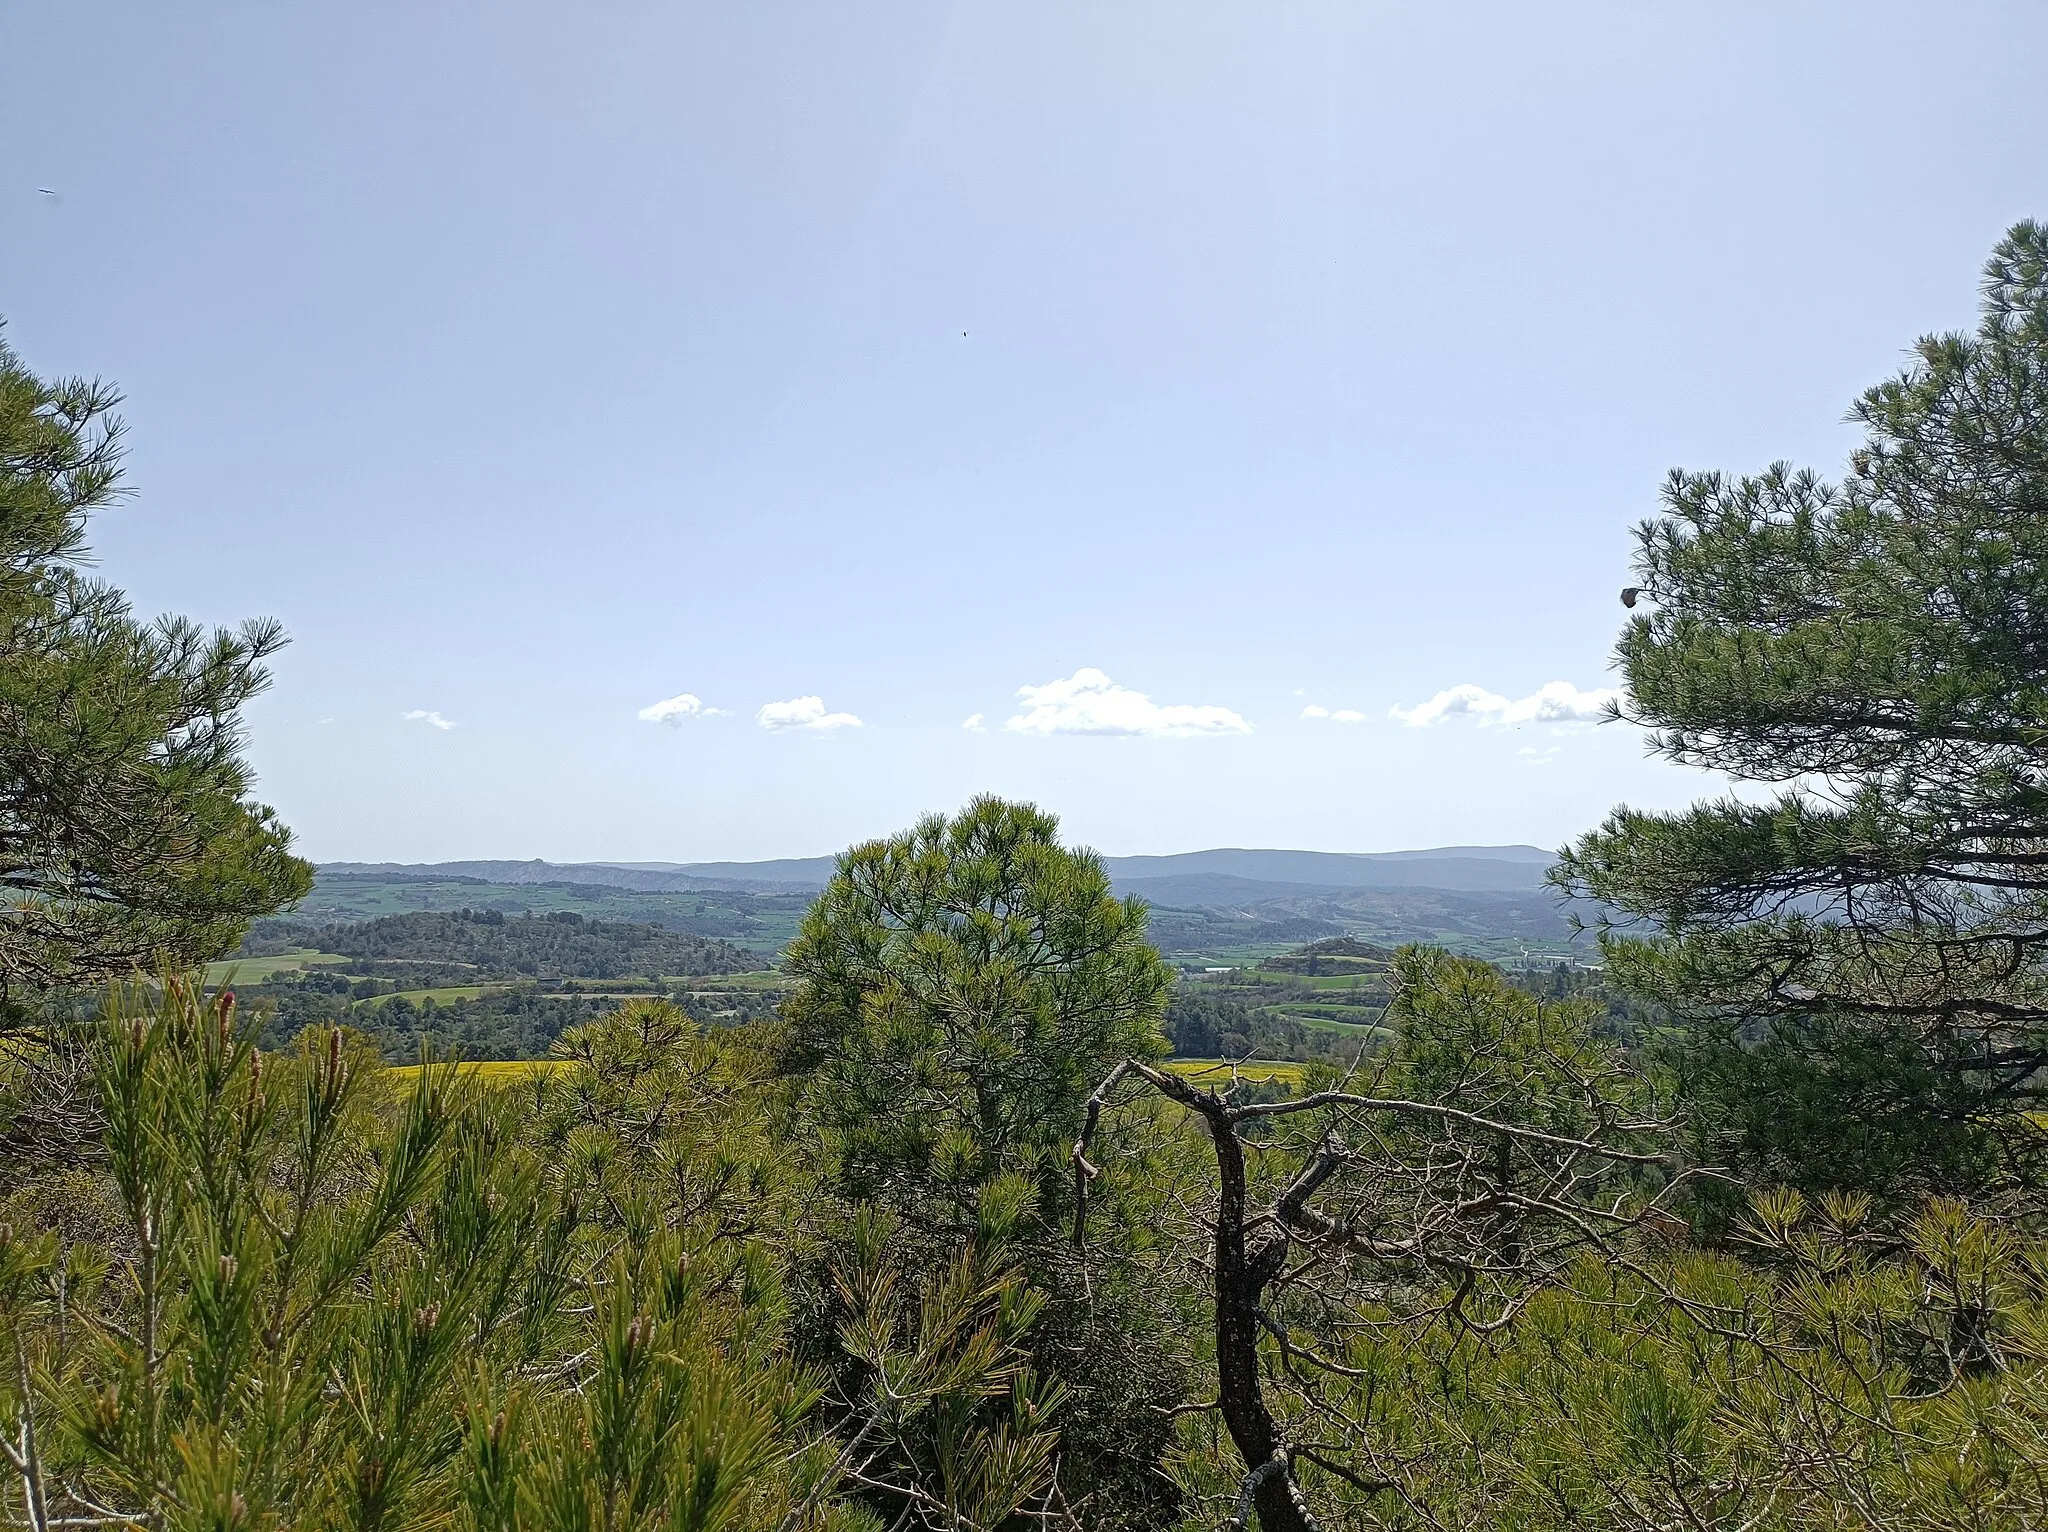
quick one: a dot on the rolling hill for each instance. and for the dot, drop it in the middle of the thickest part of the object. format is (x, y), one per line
(1462, 868)
(1227, 904)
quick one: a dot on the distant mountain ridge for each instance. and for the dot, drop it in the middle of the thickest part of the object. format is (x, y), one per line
(1465, 869)
(788, 872)
(525, 872)
(1226, 875)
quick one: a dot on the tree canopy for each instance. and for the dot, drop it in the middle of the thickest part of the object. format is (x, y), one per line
(1877, 651)
(959, 989)
(127, 837)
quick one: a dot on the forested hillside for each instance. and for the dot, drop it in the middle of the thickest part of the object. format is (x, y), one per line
(765, 920)
(1201, 914)
(479, 983)
(489, 945)
(1197, 919)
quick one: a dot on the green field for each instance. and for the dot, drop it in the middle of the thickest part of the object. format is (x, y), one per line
(445, 994)
(257, 970)
(1349, 1015)
(763, 980)
(1248, 956)
(1340, 981)
(1354, 1031)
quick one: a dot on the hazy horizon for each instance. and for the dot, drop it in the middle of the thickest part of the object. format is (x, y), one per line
(1397, 851)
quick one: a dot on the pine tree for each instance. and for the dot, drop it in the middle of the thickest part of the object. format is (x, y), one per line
(1877, 651)
(959, 989)
(126, 834)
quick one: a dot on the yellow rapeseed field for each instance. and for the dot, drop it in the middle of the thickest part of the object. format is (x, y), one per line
(503, 1071)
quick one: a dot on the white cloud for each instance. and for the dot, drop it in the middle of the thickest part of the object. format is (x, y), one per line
(1560, 702)
(1341, 715)
(426, 716)
(1530, 756)
(1088, 702)
(974, 724)
(1475, 700)
(673, 710)
(802, 713)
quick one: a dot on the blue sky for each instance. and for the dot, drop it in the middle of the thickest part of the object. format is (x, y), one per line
(538, 364)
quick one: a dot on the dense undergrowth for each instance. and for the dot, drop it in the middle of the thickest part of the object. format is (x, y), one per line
(297, 1288)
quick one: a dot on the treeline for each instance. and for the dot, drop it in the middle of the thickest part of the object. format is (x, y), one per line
(1483, 923)
(518, 1022)
(762, 921)
(1244, 1019)
(486, 944)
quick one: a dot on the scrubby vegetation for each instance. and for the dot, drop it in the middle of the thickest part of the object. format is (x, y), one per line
(1745, 1230)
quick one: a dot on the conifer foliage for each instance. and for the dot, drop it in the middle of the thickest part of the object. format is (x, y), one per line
(301, 1293)
(126, 835)
(1877, 650)
(958, 990)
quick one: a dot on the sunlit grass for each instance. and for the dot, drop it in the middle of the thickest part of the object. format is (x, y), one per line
(766, 979)
(258, 970)
(1354, 1015)
(445, 994)
(1372, 981)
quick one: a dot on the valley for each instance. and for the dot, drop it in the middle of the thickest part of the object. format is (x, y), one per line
(1221, 907)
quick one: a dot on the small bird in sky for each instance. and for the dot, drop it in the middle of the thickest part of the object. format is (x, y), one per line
(1628, 596)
